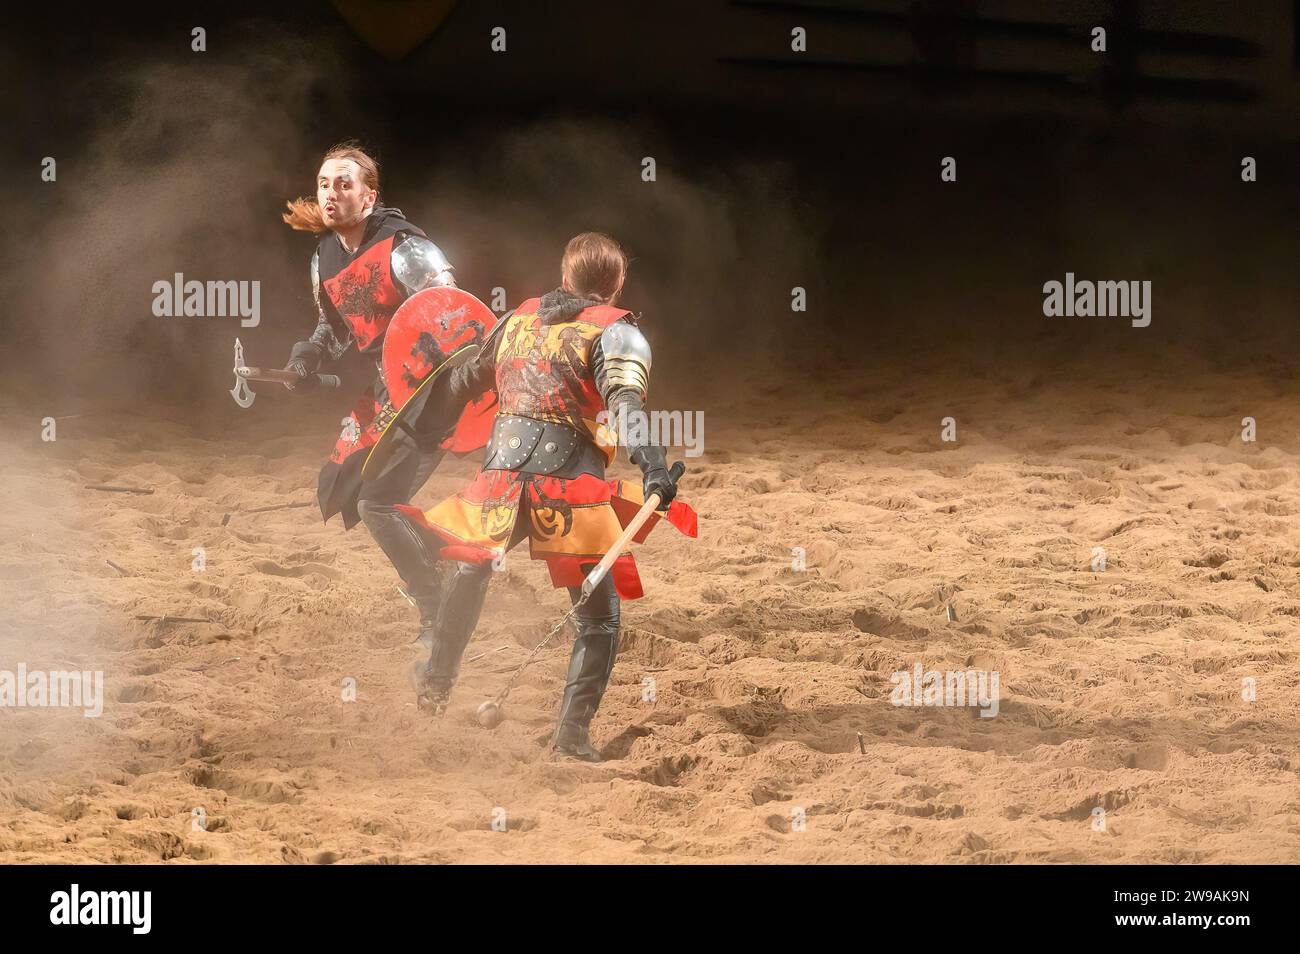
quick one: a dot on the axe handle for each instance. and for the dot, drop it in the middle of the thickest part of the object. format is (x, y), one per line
(277, 376)
(649, 507)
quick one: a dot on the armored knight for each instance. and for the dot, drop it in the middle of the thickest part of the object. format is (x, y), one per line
(371, 259)
(562, 365)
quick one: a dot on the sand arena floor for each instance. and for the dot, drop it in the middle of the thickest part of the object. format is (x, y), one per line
(1121, 690)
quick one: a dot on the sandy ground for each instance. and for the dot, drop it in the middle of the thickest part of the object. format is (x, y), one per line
(1120, 690)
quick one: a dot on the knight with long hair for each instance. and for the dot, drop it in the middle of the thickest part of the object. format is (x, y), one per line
(370, 259)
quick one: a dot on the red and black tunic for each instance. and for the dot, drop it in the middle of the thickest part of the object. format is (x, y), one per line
(358, 296)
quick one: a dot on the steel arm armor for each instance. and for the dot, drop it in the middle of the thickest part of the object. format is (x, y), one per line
(620, 364)
(624, 357)
(419, 264)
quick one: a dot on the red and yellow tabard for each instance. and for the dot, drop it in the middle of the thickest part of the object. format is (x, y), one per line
(543, 372)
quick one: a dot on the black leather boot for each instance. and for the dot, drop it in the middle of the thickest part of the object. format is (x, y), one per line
(402, 545)
(430, 695)
(590, 667)
(457, 616)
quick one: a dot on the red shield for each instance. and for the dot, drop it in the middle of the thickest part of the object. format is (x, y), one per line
(425, 331)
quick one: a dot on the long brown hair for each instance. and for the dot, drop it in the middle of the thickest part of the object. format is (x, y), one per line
(304, 213)
(593, 266)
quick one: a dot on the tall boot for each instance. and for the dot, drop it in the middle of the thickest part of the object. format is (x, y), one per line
(462, 602)
(402, 545)
(590, 667)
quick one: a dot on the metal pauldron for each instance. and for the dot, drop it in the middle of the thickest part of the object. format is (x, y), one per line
(530, 446)
(418, 264)
(626, 359)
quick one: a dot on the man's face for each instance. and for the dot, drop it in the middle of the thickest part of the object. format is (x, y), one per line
(343, 197)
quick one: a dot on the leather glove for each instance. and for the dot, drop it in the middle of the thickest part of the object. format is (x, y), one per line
(655, 474)
(304, 359)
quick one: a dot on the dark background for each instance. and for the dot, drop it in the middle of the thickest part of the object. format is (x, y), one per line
(775, 169)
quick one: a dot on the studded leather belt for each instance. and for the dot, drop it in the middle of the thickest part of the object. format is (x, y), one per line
(530, 446)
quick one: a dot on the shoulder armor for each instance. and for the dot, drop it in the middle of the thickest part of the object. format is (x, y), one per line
(315, 277)
(626, 356)
(419, 264)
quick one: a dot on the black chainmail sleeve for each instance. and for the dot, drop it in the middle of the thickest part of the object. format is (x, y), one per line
(477, 376)
(330, 336)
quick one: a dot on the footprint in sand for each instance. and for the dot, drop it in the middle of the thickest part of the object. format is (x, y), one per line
(275, 569)
(1152, 757)
(881, 624)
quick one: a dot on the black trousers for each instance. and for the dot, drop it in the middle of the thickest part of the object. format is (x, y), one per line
(407, 471)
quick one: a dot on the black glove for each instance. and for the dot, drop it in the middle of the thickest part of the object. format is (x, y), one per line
(304, 359)
(655, 475)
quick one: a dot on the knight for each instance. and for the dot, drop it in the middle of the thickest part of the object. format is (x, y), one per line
(567, 367)
(371, 259)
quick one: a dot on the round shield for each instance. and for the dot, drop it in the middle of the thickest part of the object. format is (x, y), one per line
(426, 330)
(430, 404)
